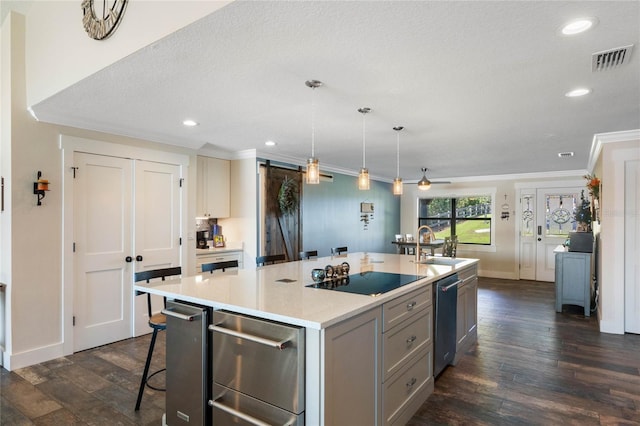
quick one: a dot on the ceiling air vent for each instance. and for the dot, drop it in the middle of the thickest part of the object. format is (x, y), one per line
(602, 61)
(565, 154)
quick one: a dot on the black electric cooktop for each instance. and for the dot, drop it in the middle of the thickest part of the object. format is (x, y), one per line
(369, 283)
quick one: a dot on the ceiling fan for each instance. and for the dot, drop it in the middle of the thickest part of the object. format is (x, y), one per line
(424, 183)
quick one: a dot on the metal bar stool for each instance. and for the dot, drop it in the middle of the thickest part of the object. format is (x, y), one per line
(338, 250)
(307, 254)
(269, 259)
(210, 267)
(157, 322)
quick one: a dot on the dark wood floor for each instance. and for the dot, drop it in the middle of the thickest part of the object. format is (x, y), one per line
(531, 366)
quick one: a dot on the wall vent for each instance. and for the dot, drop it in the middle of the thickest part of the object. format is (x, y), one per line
(607, 59)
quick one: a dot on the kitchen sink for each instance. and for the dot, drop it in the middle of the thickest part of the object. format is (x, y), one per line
(450, 261)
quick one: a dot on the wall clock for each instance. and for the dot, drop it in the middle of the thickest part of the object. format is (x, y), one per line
(101, 18)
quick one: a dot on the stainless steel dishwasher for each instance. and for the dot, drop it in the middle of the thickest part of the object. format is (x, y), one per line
(187, 364)
(258, 371)
(445, 296)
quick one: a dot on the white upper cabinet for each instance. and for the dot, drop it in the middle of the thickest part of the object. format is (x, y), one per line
(212, 187)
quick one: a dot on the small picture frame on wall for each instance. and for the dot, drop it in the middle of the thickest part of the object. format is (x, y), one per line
(218, 241)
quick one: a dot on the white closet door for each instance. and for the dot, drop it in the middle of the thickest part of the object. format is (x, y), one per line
(157, 227)
(102, 237)
(632, 247)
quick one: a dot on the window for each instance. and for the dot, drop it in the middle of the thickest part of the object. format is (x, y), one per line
(468, 218)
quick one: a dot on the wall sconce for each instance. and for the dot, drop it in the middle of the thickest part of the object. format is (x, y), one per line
(39, 187)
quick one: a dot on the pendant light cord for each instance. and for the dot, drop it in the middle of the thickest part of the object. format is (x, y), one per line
(398, 153)
(313, 122)
(364, 115)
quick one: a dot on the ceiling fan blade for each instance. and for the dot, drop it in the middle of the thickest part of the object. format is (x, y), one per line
(440, 182)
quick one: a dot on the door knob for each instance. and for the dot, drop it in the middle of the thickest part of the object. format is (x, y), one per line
(139, 258)
(539, 239)
(128, 259)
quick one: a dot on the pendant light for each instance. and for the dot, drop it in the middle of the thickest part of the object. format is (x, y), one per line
(397, 182)
(313, 167)
(424, 183)
(363, 176)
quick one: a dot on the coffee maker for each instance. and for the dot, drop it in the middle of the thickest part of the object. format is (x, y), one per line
(201, 239)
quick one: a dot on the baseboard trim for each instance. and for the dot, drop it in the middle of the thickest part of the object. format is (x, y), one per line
(494, 274)
(611, 327)
(32, 356)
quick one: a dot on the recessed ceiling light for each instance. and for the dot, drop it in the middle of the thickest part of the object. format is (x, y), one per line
(190, 123)
(577, 92)
(270, 143)
(578, 26)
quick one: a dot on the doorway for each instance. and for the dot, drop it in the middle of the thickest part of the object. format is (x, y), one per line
(546, 218)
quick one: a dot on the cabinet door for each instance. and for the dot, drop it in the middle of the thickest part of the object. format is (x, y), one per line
(471, 307)
(352, 371)
(213, 183)
(461, 316)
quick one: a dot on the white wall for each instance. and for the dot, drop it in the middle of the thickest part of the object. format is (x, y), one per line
(60, 53)
(242, 225)
(615, 152)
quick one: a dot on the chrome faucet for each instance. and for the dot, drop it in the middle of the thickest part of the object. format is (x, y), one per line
(430, 237)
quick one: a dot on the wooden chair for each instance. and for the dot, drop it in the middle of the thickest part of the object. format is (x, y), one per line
(338, 250)
(307, 254)
(269, 259)
(157, 322)
(210, 267)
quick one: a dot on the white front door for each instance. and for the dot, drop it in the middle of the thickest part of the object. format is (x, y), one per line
(102, 239)
(546, 218)
(157, 227)
(555, 219)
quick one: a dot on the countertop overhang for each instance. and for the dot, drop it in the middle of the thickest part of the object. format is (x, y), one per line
(279, 292)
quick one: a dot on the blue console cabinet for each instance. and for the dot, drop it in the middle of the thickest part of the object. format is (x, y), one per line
(573, 280)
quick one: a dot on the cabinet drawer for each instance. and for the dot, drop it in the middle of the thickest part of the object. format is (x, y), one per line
(468, 273)
(405, 307)
(218, 257)
(402, 343)
(398, 392)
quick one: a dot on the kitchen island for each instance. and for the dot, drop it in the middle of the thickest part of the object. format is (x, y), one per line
(368, 358)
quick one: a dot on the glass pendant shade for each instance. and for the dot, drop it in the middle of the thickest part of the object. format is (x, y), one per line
(313, 171)
(363, 179)
(397, 186)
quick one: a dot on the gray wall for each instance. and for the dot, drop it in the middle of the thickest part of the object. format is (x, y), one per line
(331, 216)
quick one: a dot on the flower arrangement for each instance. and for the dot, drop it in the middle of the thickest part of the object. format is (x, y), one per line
(593, 185)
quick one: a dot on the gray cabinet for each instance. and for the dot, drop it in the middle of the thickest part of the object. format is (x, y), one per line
(467, 312)
(573, 280)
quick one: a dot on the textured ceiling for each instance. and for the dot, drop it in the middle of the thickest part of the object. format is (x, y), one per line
(478, 86)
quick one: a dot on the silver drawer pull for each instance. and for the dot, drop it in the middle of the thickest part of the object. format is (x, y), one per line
(411, 382)
(272, 343)
(171, 313)
(411, 305)
(411, 339)
(239, 414)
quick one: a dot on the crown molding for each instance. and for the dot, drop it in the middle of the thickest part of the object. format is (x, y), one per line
(599, 139)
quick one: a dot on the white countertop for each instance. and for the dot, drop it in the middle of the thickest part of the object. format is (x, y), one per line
(229, 246)
(258, 292)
